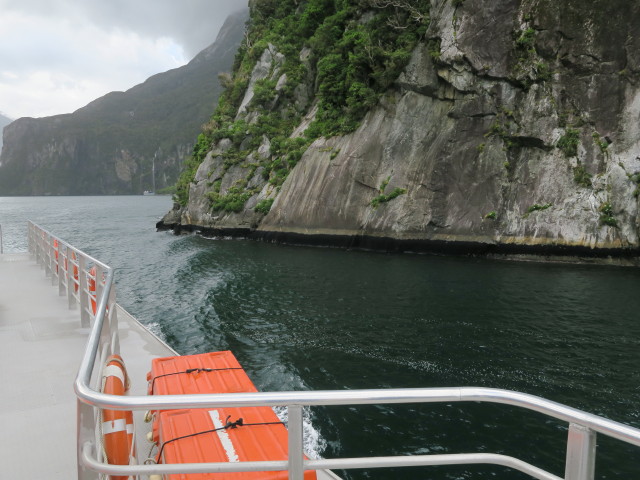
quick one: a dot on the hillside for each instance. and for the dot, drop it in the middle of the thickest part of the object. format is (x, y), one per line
(109, 146)
(4, 121)
(484, 126)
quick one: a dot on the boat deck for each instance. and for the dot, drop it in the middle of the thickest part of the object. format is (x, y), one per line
(41, 345)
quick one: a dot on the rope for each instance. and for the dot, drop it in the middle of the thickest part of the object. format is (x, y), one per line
(191, 370)
(228, 425)
(150, 460)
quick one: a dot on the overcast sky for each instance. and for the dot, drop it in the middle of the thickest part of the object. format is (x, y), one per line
(58, 55)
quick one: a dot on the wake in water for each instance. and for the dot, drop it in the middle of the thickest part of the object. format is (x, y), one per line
(314, 445)
(208, 330)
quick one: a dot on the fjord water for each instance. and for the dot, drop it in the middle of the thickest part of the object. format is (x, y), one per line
(311, 318)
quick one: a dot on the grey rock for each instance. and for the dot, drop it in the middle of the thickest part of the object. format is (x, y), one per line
(267, 67)
(420, 75)
(478, 132)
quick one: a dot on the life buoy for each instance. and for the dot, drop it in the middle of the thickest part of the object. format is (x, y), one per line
(117, 425)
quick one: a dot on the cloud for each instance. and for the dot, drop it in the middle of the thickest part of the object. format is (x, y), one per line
(58, 55)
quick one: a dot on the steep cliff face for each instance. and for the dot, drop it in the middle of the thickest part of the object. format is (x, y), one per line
(515, 123)
(4, 121)
(112, 145)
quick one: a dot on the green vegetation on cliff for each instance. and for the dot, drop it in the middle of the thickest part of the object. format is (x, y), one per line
(354, 53)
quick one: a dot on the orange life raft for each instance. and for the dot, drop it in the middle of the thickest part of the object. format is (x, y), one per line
(218, 434)
(117, 425)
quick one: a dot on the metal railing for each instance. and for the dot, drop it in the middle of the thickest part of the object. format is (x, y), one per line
(80, 277)
(581, 440)
(88, 284)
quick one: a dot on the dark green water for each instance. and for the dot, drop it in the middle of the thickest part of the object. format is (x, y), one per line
(304, 318)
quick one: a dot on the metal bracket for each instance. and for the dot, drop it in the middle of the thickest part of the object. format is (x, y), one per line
(581, 453)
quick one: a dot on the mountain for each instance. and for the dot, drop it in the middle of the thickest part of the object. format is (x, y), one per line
(490, 126)
(110, 145)
(4, 121)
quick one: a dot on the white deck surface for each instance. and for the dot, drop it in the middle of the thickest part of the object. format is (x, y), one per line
(41, 345)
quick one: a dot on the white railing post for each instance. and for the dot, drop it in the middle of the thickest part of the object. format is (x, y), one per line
(112, 313)
(85, 317)
(581, 453)
(43, 251)
(47, 254)
(99, 283)
(71, 279)
(53, 263)
(38, 246)
(63, 266)
(55, 257)
(296, 458)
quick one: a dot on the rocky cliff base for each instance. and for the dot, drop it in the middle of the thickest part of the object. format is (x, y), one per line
(511, 249)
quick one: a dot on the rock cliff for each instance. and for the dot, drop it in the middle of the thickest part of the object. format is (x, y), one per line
(4, 121)
(113, 145)
(513, 126)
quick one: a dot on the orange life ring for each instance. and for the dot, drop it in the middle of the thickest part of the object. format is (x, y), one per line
(117, 425)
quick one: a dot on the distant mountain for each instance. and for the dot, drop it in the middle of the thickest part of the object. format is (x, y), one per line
(4, 121)
(110, 145)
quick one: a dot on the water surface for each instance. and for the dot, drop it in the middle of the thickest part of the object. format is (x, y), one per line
(310, 318)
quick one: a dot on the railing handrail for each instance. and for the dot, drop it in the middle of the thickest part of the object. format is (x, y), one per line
(582, 425)
(314, 398)
(325, 464)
